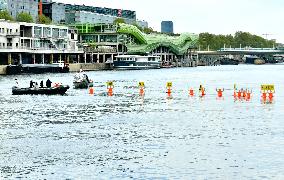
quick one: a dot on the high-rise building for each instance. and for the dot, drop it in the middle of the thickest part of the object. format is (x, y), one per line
(167, 27)
(3, 4)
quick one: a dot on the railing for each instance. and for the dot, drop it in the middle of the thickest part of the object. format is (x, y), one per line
(13, 34)
(40, 48)
(100, 50)
(246, 49)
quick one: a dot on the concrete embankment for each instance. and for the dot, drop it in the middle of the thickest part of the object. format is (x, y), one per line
(89, 67)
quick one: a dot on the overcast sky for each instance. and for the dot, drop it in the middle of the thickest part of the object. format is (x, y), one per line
(214, 16)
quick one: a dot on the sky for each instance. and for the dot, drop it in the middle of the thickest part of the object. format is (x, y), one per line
(214, 16)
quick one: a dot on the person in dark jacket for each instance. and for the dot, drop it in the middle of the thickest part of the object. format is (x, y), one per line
(41, 84)
(48, 83)
(31, 84)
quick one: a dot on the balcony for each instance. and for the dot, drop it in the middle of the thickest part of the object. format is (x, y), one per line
(12, 35)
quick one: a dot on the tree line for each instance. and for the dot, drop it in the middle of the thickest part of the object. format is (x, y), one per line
(240, 39)
(25, 17)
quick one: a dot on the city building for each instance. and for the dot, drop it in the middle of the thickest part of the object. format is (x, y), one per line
(81, 14)
(55, 11)
(3, 5)
(30, 43)
(167, 27)
(28, 6)
(143, 24)
(127, 14)
(84, 17)
(103, 42)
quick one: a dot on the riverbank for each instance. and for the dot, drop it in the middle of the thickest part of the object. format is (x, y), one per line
(74, 67)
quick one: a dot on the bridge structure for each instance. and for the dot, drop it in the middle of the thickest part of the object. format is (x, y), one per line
(212, 57)
(251, 51)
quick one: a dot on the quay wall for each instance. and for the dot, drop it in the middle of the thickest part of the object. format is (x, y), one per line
(3, 69)
(89, 67)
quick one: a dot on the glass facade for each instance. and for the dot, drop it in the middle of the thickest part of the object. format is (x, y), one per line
(3, 4)
(167, 27)
(100, 10)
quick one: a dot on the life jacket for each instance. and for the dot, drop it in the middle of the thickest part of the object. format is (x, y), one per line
(202, 92)
(270, 95)
(191, 92)
(244, 94)
(239, 94)
(248, 95)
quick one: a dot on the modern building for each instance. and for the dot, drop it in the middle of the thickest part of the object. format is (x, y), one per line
(84, 17)
(29, 6)
(30, 43)
(55, 11)
(127, 14)
(103, 42)
(167, 27)
(143, 24)
(3, 5)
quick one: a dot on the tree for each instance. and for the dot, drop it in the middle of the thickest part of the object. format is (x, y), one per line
(5, 15)
(24, 17)
(148, 30)
(139, 27)
(42, 19)
(119, 21)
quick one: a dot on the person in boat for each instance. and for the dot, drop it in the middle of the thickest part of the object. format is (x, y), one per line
(17, 83)
(36, 85)
(31, 84)
(87, 78)
(48, 83)
(41, 84)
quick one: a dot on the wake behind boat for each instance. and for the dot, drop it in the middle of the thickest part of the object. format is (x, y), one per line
(137, 62)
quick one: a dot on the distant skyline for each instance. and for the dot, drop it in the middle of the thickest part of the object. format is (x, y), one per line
(214, 16)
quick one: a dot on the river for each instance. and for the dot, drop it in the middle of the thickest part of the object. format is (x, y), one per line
(82, 136)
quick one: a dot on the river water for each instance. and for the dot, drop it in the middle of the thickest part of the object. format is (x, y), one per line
(82, 136)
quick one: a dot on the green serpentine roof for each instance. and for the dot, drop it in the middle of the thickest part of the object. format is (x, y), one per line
(149, 42)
